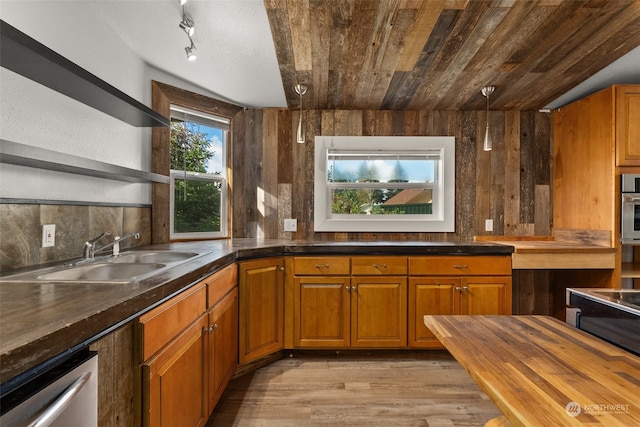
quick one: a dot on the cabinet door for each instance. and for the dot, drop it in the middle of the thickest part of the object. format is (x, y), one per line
(486, 295)
(321, 312)
(628, 125)
(261, 308)
(222, 346)
(174, 383)
(430, 296)
(379, 311)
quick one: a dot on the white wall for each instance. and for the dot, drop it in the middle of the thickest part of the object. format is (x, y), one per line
(32, 114)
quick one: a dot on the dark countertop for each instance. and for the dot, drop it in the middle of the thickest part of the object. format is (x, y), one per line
(41, 321)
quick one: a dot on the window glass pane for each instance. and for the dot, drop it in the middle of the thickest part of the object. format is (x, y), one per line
(381, 167)
(197, 147)
(384, 183)
(381, 201)
(196, 210)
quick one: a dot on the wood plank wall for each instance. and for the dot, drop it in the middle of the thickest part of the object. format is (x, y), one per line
(273, 177)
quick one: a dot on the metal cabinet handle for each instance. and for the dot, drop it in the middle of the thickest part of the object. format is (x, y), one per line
(347, 288)
(458, 289)
(53, 411)
(281, 268)
(322, 266)
(465, 288)
(460, 266)
(215, 326)
(380, 266)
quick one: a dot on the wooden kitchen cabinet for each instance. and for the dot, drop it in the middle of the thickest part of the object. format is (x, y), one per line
(189, 351)
(471, 285)
(322, 312)
(627, 113)
(174, 361)
(335, 309)
(428, 295)
(261, 285)
(379, 312)
(174, 380)
(222, 332)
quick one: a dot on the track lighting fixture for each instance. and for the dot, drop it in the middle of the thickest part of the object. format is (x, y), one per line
(300, 136)
(488, 143)
(188, 26)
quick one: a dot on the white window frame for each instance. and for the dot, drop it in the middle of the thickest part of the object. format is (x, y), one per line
(215, 121)
(442, 218)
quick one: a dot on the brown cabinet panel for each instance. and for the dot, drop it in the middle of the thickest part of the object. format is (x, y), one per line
(163, 323)
(321, 312)
(173, 381)
(379, 312)
(628, 125)
(261, 308)
(378, 265)
(459, 265)
(222, 346)
(430, 296)
(486, 295)
(220, 283)
(320, 266)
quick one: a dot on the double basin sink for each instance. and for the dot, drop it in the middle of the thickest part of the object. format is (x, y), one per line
(127, 267)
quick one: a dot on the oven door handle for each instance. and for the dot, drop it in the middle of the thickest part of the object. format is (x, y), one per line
(631, 198)
(53, 411)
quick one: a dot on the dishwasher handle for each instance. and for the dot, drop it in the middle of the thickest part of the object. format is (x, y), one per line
(49, 414)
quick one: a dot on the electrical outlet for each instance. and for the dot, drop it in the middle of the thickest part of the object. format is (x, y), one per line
(488, 225)
(291, 224)
(48, 235)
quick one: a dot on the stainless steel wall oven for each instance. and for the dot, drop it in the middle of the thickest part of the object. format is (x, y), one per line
(630, 210)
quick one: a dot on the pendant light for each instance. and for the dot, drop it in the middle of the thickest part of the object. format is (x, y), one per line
(488, 143)
(300, 136)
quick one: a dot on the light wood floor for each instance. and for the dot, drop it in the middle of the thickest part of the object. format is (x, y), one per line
(432, 390)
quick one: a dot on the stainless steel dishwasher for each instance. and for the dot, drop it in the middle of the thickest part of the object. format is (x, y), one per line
(63, 395)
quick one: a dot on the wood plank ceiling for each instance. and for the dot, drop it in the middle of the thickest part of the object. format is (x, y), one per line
(438, 54)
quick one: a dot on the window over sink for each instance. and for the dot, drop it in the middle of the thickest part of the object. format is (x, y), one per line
(384, 184)
(199, 189)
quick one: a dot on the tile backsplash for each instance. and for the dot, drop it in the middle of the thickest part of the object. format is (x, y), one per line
(21, 230)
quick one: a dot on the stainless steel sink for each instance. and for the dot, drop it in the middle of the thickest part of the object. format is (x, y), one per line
(152, 257)
(127, 267)
(99, 272)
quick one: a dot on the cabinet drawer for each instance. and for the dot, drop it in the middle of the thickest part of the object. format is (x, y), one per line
(314, 266)
(165, 322)
(378, 265)
(220, 283)
(460, 265)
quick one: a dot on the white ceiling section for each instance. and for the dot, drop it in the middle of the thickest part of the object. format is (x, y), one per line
(236, 56)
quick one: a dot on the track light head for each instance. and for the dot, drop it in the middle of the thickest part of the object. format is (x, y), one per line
(191, 51)
(182, 2)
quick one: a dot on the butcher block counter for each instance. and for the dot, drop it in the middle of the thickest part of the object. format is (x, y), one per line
(565, 249)
(542, 372)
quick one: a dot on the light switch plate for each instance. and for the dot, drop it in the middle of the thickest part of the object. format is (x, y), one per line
(291, 224)
(48, 235)
(488, 225)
